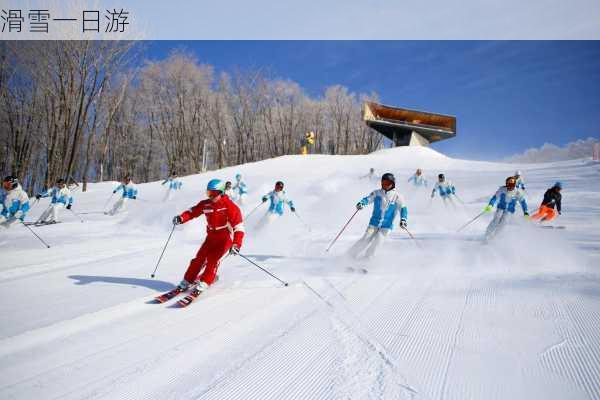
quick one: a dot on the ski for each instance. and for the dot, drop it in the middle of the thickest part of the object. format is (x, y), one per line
(189, 299)
(357, 269)
(168, 295)
(553, 227)
(38, 224)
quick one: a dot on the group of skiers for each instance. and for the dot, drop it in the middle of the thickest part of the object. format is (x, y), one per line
(225, 226)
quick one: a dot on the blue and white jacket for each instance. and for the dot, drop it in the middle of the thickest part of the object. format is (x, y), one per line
(15, 203)
(418, 180)
(240, 187)
(174, 184)
(444, 189)
(386, 206)
(507, 200)
(278, 199)
(129, 190)
(520, 184)
(59, 196)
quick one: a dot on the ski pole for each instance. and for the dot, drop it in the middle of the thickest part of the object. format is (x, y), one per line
(470, 222)
(339, 234)
(163, 252)
(34, 204)
(412, 237)
(253, 210)
(92, 212)
(107, 201)
(261, 268)
(301, 220)
(36, 235)
(77, 215)
(458, 198)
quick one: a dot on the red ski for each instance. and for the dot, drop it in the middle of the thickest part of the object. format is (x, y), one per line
(189, 299)
(169, 295)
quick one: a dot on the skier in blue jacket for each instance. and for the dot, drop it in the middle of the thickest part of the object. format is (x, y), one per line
(129, 192)
(445, 189)
(418, 179)
(278, 199)
(173, 184)
(507, 197)
(15, 202)
(387, 205)
(61, 198)
(240, 189)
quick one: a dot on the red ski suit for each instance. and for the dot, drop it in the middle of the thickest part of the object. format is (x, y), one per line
(223, 220)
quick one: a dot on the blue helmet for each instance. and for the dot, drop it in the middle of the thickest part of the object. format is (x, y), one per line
(238, 177)
(558, 185)
(215, 184)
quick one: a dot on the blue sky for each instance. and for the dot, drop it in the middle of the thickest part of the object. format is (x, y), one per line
(507, 95)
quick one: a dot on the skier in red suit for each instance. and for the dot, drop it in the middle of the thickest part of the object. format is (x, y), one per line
(224, 233)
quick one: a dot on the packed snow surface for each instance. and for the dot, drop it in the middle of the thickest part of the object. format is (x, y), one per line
(445, 317)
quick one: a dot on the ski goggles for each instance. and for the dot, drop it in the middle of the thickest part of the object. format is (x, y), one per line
(211, 194)
(386, 184)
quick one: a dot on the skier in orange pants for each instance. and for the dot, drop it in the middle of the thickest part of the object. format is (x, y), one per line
(552, 198)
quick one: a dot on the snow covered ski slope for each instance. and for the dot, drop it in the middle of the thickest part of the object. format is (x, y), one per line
(452, 318)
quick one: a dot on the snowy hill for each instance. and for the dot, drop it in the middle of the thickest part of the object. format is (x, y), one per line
(450, 318)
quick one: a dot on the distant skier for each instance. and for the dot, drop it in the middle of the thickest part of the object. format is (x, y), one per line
(552, 199)
(278, 199)
(173, 184)
(445, 189)
(224, 233)
(387, 204)
(240, 189)
(228, 190)
(520, 181)
(15, 202)
(418, 179)
(507, 196)
(61, 198)
(370, 176)
(129, 192)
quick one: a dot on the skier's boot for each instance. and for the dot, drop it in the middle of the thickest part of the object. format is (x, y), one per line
(183, 285)
(199, 288)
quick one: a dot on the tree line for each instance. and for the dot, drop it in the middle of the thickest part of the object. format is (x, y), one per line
(90, 111)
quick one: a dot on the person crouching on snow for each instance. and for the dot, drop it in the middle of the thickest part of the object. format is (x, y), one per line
(129, 192)
(387, 204)
(61, 198)
(278, 199)
(507, 196)
(224, 233)
(15, 202)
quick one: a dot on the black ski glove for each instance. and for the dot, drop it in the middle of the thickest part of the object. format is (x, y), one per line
(134, 197)
(177, 220)
(114, 191)
(403, 223)
(234, 250)
(37, 197)
(68, 206)
(292, 209)
(264, 199)
(359, 206)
